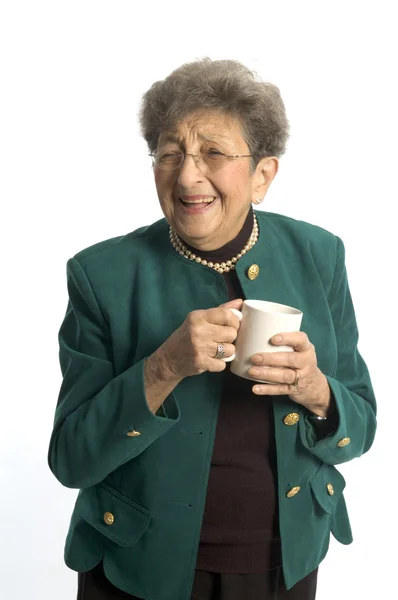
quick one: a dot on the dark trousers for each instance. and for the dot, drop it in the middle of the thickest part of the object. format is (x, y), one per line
(93, 585)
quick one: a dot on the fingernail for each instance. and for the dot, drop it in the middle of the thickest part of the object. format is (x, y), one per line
(257, 358)
(276, 339)
(254, 372)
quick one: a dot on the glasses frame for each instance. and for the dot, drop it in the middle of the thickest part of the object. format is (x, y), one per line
(196, 158)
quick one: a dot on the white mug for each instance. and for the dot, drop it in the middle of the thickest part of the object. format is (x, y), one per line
(260, 321)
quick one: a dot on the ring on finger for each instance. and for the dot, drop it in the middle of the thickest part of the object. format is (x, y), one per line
(220, 351)
(295, 384)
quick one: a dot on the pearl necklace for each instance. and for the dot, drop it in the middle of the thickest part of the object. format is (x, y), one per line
(223, 267)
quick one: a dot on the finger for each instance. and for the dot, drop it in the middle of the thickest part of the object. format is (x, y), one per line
(286, 376)
(290, 360)
(220, 334)
(215, 365)
(228, 348)
(222, 316)
(297, 339)
(268, 389)
(237, 303)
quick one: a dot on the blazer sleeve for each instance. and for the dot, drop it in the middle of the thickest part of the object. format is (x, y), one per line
(96, 409)
(351, 384)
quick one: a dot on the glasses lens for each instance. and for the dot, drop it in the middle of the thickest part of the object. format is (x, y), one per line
(169, 161)
(212, 159)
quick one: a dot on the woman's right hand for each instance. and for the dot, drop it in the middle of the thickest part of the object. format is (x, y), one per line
(191, 349)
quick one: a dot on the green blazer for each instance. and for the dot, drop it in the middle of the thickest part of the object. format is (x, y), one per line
(143, 477)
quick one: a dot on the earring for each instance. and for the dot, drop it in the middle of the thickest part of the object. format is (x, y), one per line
(259, 200)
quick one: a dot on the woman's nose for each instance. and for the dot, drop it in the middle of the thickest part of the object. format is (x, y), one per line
(189, 172)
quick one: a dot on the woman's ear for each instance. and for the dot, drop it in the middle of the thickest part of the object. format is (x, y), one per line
(263, 176)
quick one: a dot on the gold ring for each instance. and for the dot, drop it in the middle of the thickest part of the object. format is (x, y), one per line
(295, 384)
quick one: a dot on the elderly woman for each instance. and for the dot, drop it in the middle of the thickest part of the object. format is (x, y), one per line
(196, 483)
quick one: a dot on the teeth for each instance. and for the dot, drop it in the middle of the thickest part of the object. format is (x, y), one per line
(208, 200)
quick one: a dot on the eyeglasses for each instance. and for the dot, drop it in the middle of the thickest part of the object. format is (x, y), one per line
(211, 159)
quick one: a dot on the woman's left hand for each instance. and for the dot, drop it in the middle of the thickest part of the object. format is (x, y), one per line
(312, 390)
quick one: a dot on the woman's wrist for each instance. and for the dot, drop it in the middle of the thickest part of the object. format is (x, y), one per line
(159, 368)
(159, 381)
(324, 405)
(329, 415)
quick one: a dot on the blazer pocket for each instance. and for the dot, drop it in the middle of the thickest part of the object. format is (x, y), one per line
(327, 486)
(114, 515)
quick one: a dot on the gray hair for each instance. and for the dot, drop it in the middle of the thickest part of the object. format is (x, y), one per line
(225, 85)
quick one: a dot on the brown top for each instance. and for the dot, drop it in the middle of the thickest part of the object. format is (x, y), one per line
(240, 530)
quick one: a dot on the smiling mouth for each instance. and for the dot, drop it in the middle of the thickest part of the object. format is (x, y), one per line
(201, 201)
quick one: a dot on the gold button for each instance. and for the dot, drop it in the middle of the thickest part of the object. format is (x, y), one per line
(293, 492)
(343, 442)
(133, 433)
(109, 518)
(253, 272)
(330, 489)
(291, 419)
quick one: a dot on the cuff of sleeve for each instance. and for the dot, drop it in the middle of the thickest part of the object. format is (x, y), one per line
(328, 448)
(322, 439)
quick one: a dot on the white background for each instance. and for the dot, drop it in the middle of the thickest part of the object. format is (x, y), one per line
(74, 171)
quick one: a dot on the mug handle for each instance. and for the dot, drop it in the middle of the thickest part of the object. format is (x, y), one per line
(240, 317)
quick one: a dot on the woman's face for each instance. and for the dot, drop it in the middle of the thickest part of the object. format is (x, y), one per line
(208, 226)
